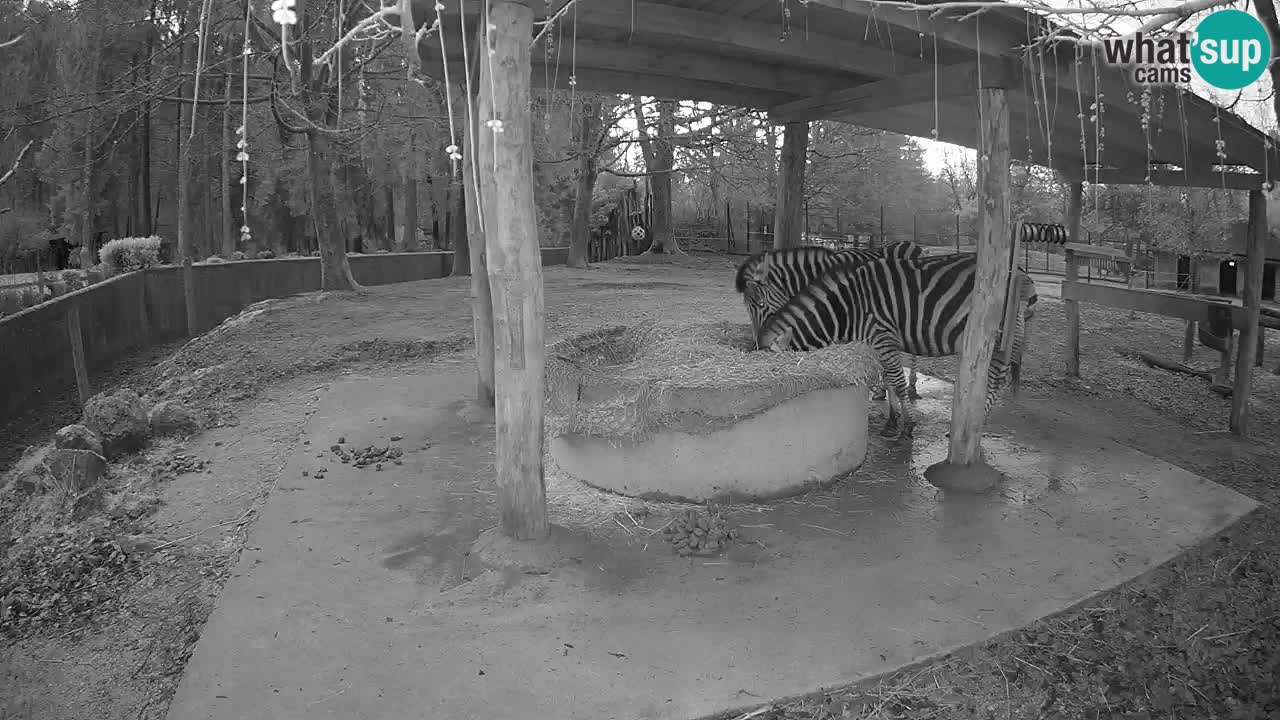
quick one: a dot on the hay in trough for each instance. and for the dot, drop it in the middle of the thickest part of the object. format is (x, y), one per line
(627, 382)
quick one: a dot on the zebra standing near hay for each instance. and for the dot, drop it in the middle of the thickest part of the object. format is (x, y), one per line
(768, 279)
(895, 305)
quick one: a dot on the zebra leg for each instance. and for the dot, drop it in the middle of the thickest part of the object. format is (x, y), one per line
(896, 381)
(911, 382)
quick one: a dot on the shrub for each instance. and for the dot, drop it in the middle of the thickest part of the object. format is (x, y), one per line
(237, 255)
(213, 260)
(128, 254)
(265, 254)
(70, 276)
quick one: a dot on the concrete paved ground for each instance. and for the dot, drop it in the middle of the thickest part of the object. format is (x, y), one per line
(356, 599)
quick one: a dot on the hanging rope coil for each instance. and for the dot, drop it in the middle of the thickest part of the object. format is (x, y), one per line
(1044, 233)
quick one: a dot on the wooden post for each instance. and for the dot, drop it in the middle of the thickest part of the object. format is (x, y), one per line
(1189, 341)
(1252, 295)
(505, 166)
(1075, 203)
(957, 230)
(77, 352)
(481, 297)
(990, 283)
(873, 244)
(787, 215)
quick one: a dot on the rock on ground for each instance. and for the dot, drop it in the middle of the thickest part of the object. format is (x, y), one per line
(170, 417)
(77, 437)
(121, 419)
(75, 471)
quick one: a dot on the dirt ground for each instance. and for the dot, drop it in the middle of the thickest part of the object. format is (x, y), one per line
(1199, 637)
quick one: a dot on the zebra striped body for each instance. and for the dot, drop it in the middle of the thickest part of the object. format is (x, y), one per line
(767, 280)
(894, 306)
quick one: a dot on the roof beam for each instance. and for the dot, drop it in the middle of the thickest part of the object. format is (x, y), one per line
(716, 34)
(927, 86)
(1177, 178)
(684, 65)
(631, 83)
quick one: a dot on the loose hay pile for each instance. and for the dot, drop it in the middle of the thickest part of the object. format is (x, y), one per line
(625, 383)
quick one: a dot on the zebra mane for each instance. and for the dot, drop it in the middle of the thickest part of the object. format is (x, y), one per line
(749, 265)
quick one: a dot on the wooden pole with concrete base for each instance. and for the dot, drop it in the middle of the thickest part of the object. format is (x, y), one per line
(1075, 204)
(505, 165)
(1252, 295)
(788, 215)
(963, 468)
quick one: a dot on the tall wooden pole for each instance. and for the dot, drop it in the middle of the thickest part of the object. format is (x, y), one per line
(788, 215)
(1075, 204)
(481, 297)
(1252, 295)
(986, 304)
(505, 166)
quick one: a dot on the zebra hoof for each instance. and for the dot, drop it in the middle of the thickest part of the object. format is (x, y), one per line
(912, 394)
(889, 430)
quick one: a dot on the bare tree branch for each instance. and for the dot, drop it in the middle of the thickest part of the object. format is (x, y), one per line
(14, 41)
(17, 161)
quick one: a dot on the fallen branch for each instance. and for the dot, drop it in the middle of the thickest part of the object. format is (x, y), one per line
(1177, 367)
(13, 41)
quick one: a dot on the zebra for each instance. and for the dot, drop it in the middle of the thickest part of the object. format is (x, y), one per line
(895, 306)
(768, 279)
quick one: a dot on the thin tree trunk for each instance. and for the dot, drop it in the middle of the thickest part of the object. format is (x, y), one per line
(228, 185)
(144, 212)
(186, 116)
(335, 270)
(389, 219)
(407, 236)
(481, 292)
(659, 158)
(580, 227)
(458, 231)
(87, 255)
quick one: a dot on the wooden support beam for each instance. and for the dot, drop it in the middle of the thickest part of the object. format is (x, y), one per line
(927, 86)
(977, 343)
(1155, 302)
(1178, 178)
(481, 297)
(1075, 205)
(505, 166)
(789, 214)
(1252, 296)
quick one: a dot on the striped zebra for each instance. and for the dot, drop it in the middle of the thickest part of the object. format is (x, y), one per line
(895, 306)
(768, 279)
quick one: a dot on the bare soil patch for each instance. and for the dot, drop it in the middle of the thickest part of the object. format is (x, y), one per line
(1198, 637)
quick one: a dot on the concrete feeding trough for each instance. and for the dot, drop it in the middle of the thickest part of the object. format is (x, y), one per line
(694, 414)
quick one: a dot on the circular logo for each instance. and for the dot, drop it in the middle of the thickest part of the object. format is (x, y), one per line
(637, 233)
(1232, 49)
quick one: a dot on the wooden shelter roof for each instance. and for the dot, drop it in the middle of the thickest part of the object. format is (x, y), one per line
(890, 67)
